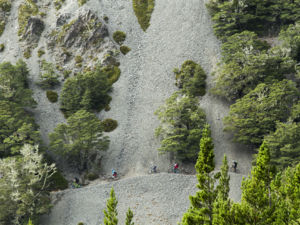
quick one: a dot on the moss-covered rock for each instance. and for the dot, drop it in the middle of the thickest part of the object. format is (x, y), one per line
(109, 125)
(143, 10)
(119, 37)
(125, 49)
(52, 96)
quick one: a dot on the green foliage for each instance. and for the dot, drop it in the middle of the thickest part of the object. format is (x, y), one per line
(191, 78)
(80, 139)
(2, 27)
(80, 223)
(87, 90)
(5, 5)
(110, 213)
(81, 2)
(48, 75)
(105, 18)
(255, 115)
(58, 4)
(26, 10)
(57, 182)
(129, 216)
(27, 53)
(23, 186)
(182, 121)
(143, 10)
(14, 84)
(92, 176)
(29, 222)
(40, 52)
(109, 125)
(246, 63)
(284, 144)
(125, 49)
(52, 96)
(291, 40)
(2, 47)
(78, 59)
(235, 16)
(119, 37)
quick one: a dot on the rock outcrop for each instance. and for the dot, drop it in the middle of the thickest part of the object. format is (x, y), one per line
(33, 30)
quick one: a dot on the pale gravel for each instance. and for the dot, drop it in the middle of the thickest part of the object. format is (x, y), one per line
(179, 30)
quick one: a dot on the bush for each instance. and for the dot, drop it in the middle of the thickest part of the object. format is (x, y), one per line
(109, 125)
(58, 4)
(143, 10)
(27, 53)
(52, 96)
(2, 47)
(106, 19)
(48, 75)
(5, 5)
(191, 78)
(119, 37)
(81, 223)
(124, 49)
(92, 176)
(40, 52)
(57, 182)
(78, 59)
(2, 27)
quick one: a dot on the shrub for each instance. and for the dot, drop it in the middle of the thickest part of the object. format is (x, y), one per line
(81, 223)
(66, 73)
(191, 78)
(78, 59)
(109, 125)
(143, 10)
(119, 37)
(52, 96)
(5, 5)
(92, 176)
(106, 19)
(27, 53)
(2, 27)
(40, 52)
(2, 47)
(81, 2)
(26, 10)
(124, 49)
(48, 75)
(57, 182)
(58, 4)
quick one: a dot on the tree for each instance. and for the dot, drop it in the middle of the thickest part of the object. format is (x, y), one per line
(17, 127)
(29, 222)
(182, 121)
(48, 75)
(201, 209)
(222, 204)
(257, 199)
(191, 78)
(14, 84)
(24, 180)
(284, 144)
(129, 216)
(79, 139)
(87, 91)
(110, 213)
(255, 115)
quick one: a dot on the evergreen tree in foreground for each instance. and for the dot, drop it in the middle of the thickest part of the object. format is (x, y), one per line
(129, 216)
(110, 214)
(201, 209)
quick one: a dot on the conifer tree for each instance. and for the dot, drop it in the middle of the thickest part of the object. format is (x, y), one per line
(201, 209)
(257, 205)
(29, 222)
(110, 214)
(221, 207)
(129, 216)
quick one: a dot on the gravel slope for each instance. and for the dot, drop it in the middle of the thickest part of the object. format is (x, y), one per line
(179, 30)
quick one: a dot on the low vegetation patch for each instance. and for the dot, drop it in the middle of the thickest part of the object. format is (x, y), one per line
(82, 2)
(58, 4)
(26, 10)
(5, 6)
(57, 182)
(109, 125)
(125, 49)
(27, 53)
(119, 37)
(52, 96)
(191, 78)
(40, 52)
(48, 75)
(2, 47)
(143, 10)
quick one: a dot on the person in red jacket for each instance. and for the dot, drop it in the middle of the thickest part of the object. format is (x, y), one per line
(175, 168)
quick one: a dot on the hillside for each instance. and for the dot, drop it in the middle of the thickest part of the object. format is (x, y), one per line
(179, 30)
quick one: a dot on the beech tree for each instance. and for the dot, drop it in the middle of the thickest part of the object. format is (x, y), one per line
(255, 115)
(79, 139)
(23, 182)
(182, 121)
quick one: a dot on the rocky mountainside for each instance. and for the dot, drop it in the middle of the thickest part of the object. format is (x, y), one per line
(179, 30)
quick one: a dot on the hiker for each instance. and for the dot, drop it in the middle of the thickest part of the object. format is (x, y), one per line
(234, 165)
(114, 173)
(175, 168)
(154, 169)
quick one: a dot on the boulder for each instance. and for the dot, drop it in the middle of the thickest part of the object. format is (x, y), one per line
(34, 29)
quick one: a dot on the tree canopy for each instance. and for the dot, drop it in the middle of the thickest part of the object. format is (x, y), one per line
(182, 121)
(79, 139)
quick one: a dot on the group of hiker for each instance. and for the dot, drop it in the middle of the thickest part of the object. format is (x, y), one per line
(153, 169)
